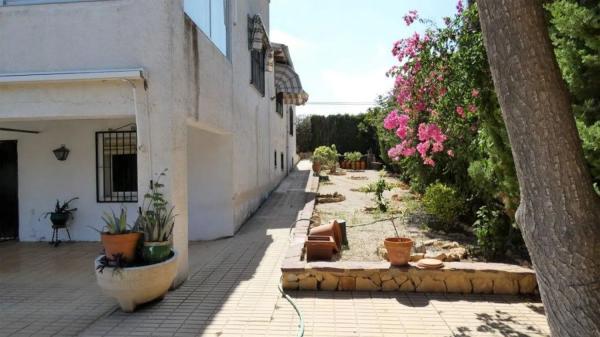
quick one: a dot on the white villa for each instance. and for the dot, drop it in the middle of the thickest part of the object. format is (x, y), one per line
(134, 87)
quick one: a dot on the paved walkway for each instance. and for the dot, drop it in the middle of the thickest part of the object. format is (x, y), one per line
(232, 291)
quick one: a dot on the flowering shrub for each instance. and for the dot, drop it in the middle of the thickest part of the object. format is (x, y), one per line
(436, 103)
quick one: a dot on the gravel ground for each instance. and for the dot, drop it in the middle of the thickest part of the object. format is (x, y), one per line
(366, 241)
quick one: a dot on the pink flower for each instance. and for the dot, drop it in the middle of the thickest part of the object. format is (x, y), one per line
(391, 121)
(423, 148)
(459, 7)
(474, 93)
(443, 91)
(410, 17)
(450, 153)
(460, 111)
(428, 161)
(420, 106)
(472, 108)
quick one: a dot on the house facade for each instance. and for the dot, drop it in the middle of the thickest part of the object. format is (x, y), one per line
(133, 88)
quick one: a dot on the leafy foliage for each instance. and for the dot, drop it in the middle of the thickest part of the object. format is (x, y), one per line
(115, 224)
(444, 203)
(353, 156)
(326, 156)
(156, 218)
(63, 208)
(492, 229)
(378, 188)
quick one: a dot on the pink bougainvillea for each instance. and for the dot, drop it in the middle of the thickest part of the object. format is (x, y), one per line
(425, 110)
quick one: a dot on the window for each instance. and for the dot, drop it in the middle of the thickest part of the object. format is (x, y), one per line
(291, 113)
(211, 17)
(279, 104)
(116, 166)
(258, 69)
(281, 158)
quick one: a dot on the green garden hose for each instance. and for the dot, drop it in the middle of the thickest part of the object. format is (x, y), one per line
(291, 300)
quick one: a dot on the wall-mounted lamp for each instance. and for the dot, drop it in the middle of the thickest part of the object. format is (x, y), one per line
(61, 153)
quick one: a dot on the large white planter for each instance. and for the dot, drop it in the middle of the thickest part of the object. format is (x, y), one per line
(137, 285)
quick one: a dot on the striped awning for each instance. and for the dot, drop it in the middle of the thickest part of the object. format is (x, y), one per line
(287, 82)
(259, 40)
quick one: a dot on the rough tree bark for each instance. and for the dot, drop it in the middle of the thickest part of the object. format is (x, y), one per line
(559, 213)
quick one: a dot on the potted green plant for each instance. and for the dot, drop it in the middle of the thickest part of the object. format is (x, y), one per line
(118, 240)
(354, 158)
(326, 156)
(62, 213)
(156, 219)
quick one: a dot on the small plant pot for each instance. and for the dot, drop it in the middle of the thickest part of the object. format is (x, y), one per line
(59, 220)
(320, 248)
(316, 167)
(398, 250)
(363, 165)
(156, 252)
(124, 244)
(331, 229)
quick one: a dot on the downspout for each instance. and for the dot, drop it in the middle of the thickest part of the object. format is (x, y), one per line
(137, 121)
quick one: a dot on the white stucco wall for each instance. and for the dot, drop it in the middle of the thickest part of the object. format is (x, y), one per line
(43, 179)
(192, 86)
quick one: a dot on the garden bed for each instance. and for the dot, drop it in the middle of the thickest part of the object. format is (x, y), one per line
(363, 268)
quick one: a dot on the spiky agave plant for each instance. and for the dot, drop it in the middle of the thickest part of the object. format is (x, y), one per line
(115, 224)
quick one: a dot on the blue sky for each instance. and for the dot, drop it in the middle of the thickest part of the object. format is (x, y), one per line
(341, 48)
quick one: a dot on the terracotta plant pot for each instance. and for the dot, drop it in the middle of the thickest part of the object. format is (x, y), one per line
(124, 244)
(331, 229)
(316, 167)
(398, 250)
(320, 248)
(156, 252)
(363, 165)
(353, 165)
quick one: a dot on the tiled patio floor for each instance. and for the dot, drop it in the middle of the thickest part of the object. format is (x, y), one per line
(232, 291)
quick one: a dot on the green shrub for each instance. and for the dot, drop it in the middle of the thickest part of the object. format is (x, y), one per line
(444, 203)
(326, 156)
(492, 229)
(353, 156)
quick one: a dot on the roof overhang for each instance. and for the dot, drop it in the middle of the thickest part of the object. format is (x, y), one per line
(287, 82)
(72, 76)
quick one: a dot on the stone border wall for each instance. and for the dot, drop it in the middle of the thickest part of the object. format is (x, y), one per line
(454, 277)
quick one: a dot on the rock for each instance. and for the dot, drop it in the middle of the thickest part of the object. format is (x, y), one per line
(431, 242)
(482, 285)
(506, 286)
(407, 286)
(420, 248)
(330, 282)
(431, 285)
(437, 256)
(376, 279)
(366, 284)
(382, 253)
(461, 252)
(528, 284)
(389, 285)
(308, 283)
(400, 279)
(291, 277)
(458, 284)
(450, 245)
(347, 283)
(385, 276)
(319, 277)
(289, 285)
(416, 257)
(452, 257)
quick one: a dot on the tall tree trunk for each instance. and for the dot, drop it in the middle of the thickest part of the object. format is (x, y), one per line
(559, 212)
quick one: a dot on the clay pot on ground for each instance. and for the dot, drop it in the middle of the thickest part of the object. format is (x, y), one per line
(320, 248)
(398, 250)
(331, 229)
(362, 165)
(121, 244)
(316, 167)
